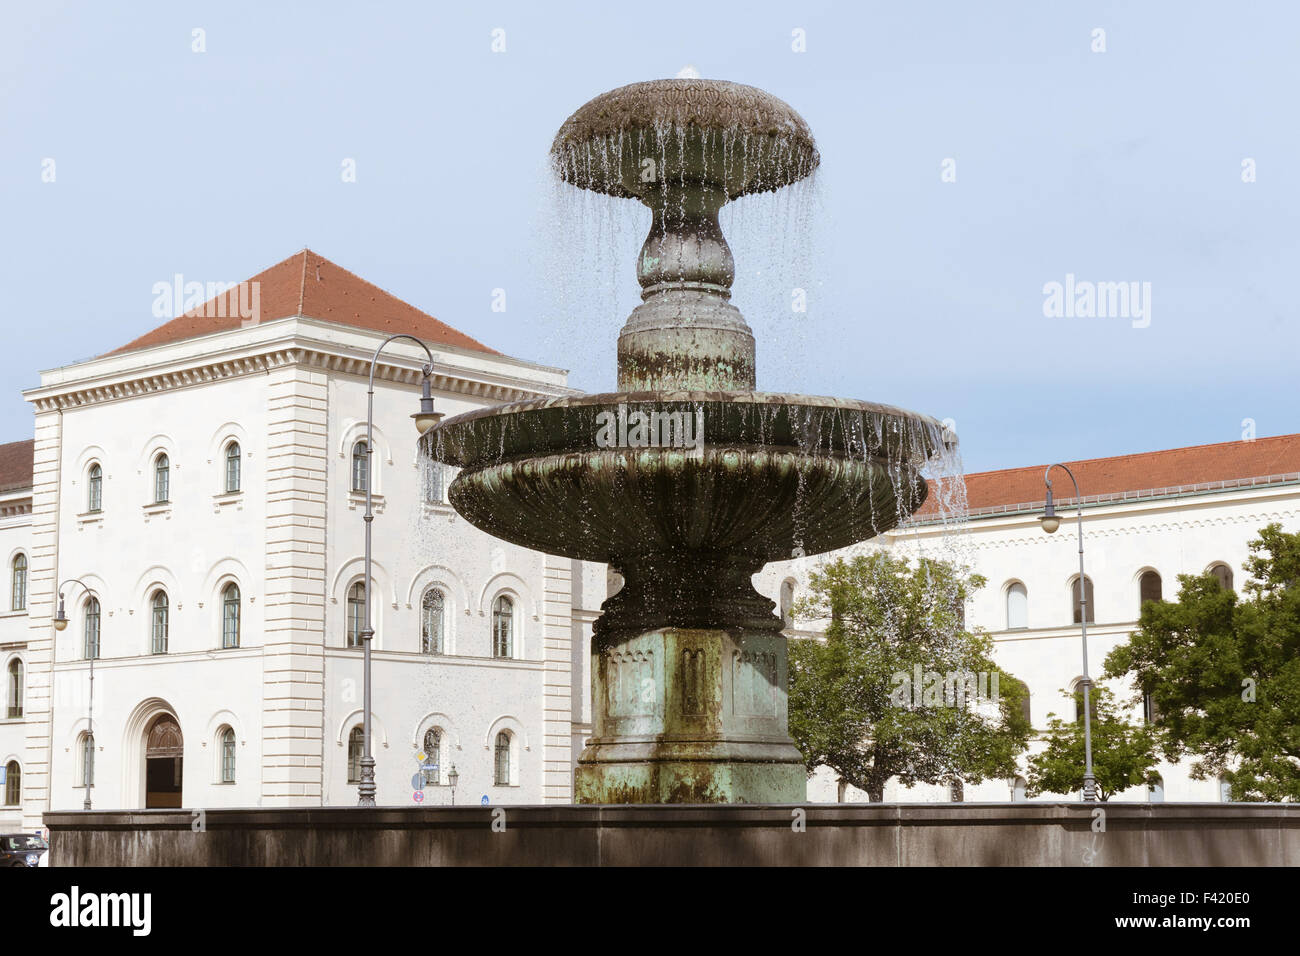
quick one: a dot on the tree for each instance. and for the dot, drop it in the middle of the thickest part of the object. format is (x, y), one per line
(888, 691)
(1123, 755)
(1223, 672)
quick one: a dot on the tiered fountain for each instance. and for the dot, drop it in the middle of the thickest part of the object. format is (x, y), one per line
(686, 480)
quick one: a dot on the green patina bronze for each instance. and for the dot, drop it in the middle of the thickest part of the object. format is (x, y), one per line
(686, 480)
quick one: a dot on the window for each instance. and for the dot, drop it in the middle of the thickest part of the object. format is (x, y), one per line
(87, 760)
(434, 482)
(162, 470)
(95, 489)
(227, 756)
(356, 613)
(1018, 788)
(503, 626)
(13, 784)
(1223, 574)
(1157, 790)
(360, 467)
(230, 616)
(1087, 599)
(1077, 692)
(1017, 606)
(1149, 588)
(501, 777)
(159, 613)
(433, 752)
(14, 689)
(232, 467)
(1026, 705)
(18, 584)
(432, 622)
(787, 603)
(90, 648)
(1225, 790)
(956, 791)
(355, 743)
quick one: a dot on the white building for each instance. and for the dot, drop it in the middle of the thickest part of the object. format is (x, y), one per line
(1147, 518)
(204, 483)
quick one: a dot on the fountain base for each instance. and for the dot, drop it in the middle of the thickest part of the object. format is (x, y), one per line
(690, 715)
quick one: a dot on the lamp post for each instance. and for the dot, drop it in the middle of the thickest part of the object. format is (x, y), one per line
(424, 419)
(451, 779)
(60, 623)
(1050, 522)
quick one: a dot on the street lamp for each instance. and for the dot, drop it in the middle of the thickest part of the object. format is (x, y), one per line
(451, 779)
(1050, 522)
(424, 419)
(61, 623)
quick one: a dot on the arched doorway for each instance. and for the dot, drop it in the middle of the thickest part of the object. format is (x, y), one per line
(164, 751)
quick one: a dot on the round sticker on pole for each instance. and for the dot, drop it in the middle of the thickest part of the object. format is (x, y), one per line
(484, 801)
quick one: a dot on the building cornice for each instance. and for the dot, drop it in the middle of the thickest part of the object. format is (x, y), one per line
(290, 342)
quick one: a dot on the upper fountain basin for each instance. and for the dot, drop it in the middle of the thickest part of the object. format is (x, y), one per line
(618, 476)
(630, 141)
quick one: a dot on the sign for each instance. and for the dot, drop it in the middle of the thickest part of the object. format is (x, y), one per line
(430, 767)
(484, 801)
(417, 782)
(3, 771)
(418, 796)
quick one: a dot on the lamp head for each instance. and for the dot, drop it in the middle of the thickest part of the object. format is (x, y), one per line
(453, 776)
(1050, 521)
(426, 417)
(61, 619)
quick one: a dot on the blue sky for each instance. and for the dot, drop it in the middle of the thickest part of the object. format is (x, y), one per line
(1123, 165)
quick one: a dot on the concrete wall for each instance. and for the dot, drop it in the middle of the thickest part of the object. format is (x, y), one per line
(1021, 834)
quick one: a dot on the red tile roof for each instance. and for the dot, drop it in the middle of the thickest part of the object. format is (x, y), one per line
(310, 285)
(16, 465)
(1147, 471)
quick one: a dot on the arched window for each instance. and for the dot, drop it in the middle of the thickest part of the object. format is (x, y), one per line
(1087, 598)
(433, 612)
(87, 760)
(433, 753)
(95, 488)
(13, 784)
(1223, 574)
(501, 777)
(1149, 588)
(227, 755)
(360, 467)
(159, 625)
(1026, 709)
(90, 646)
(162, 470)
(355, 744)
(1018, 788)
(503, 627)
(233, 465)
(787, 602)
(18, 584)
(1157, 790)
(1076, 691)
(1017, 606)
(356, 613)
(230, 615)
(14, 689)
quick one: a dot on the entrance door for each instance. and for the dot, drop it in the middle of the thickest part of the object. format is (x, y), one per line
(163, 754)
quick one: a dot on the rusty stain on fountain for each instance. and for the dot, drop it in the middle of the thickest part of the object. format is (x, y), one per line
(687, 480)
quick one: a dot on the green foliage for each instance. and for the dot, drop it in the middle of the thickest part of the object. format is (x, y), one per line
(1224, 672)
(1123, 755)
(848, 709)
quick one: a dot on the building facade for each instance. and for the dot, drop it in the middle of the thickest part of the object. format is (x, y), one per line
(197, 498)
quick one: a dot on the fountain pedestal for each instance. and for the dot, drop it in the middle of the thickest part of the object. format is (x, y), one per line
(690, 715)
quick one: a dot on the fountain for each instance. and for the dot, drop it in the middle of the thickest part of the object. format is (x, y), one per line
(686, 480)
